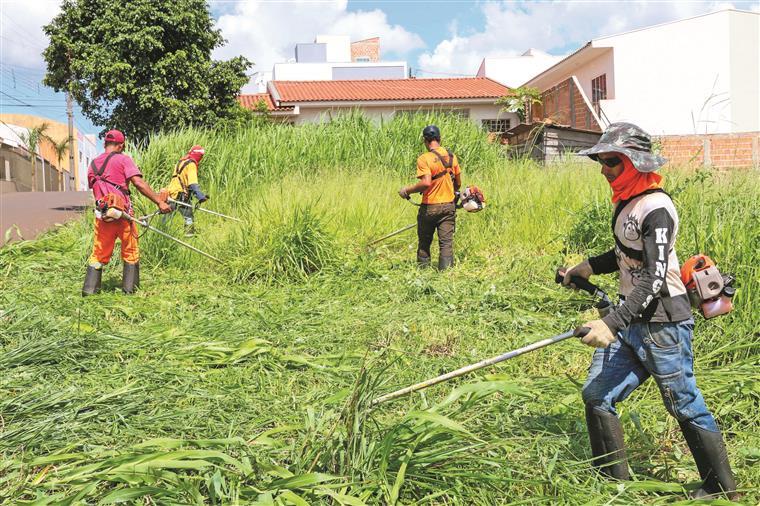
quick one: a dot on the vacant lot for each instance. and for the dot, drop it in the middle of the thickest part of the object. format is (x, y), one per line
(250, 381)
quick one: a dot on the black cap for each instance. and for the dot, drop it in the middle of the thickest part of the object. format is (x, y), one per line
(431, 133)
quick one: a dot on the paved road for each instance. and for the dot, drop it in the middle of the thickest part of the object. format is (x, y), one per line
(36, 212)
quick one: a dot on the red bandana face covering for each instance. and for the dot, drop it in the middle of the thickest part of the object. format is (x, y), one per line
(631, 182)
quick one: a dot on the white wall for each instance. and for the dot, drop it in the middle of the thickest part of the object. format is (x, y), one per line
(478, 112)
(744, 47)
(302, 72)
(338, 47)
(673, 78)
(515, 71)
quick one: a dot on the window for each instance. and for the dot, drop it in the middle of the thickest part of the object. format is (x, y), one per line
(598, 90)
(496, 126)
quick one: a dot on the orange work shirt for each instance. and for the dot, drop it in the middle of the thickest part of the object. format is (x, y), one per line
(441, 189)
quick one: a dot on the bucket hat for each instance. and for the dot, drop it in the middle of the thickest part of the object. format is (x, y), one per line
(630, 140)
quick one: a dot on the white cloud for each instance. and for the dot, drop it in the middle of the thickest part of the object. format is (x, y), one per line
(21, 38)
(267, 32)
(556, 27)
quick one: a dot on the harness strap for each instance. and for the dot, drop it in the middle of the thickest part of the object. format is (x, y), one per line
(178, 170)
(447, 164)
(98, 172)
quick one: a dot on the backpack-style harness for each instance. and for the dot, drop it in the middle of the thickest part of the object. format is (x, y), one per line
(178, 170)
(98, 173)
(447, 164)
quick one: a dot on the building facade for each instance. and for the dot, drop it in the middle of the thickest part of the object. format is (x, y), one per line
(52, 173)
(299, 102)
(694, 76)
(335, 57)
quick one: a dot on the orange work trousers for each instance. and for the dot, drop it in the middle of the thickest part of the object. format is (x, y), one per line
(106, 233)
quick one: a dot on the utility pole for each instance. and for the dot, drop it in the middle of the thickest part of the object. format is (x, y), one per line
(72, 169)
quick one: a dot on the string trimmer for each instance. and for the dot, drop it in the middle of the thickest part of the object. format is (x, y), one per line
(198, 208)
(472, 202)
(603, 306)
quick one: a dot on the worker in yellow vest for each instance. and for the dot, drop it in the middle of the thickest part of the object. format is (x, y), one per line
(184, 185)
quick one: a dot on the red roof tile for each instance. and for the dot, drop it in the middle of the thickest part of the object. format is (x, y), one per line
(250, 101)
(388, 89)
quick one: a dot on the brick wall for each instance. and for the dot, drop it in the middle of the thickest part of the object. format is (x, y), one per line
(367, 47)
(563, 104)
(714, 150)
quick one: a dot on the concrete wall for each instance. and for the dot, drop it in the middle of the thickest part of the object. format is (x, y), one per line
(311, 53)
(302, 72)
(694, 76)
(348, 70)
(515, 71)
(476, 113)
(369, 72)
(338, 47)
(676, 78)
(744, 62)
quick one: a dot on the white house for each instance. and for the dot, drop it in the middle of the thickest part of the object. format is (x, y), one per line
(514, 70)
(300, 102)
(693, 76)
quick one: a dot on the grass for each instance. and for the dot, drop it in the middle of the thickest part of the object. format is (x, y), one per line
(251, 382)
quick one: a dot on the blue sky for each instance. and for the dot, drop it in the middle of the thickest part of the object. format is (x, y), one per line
(437, 38)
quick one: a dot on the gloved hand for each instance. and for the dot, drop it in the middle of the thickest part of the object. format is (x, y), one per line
(582, 270)
(600, 335)
(403, 193)
(203, 199)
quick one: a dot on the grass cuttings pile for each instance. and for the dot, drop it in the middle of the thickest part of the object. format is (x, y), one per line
(251, 382)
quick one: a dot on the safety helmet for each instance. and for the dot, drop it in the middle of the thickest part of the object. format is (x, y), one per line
(473, 199)
(196, 153)
(431, 133)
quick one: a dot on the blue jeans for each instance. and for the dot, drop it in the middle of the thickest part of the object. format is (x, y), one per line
(660, 350)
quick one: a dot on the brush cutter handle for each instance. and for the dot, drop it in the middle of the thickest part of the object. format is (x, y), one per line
(581, 331)
(580, 283)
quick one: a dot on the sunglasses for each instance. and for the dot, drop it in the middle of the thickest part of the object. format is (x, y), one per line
(609, 162)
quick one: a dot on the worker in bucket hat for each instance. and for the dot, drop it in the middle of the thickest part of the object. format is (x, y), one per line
(650, 332)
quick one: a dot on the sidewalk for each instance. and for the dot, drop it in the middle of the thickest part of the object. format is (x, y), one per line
(36, 212)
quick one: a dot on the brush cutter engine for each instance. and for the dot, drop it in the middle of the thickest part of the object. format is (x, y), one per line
(709, 290)
(473, 199)
(111, 207)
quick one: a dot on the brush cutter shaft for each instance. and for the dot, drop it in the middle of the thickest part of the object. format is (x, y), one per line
(183, 243)
(392, 234)
(474, 367)
(204, 210)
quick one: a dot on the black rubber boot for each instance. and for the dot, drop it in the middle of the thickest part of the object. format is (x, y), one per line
(710, 455)
(445, 262)
(607, 444)
(423, 261)
(92, 281)
(130, 279)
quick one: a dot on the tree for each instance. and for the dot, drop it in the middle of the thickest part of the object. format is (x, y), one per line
(61, 148)
(32, 138)
(143, 65)
(520, 101)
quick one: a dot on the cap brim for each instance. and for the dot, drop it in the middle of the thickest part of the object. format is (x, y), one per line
(643, 161)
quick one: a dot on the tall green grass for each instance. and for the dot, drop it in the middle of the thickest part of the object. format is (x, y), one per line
(250, 382)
